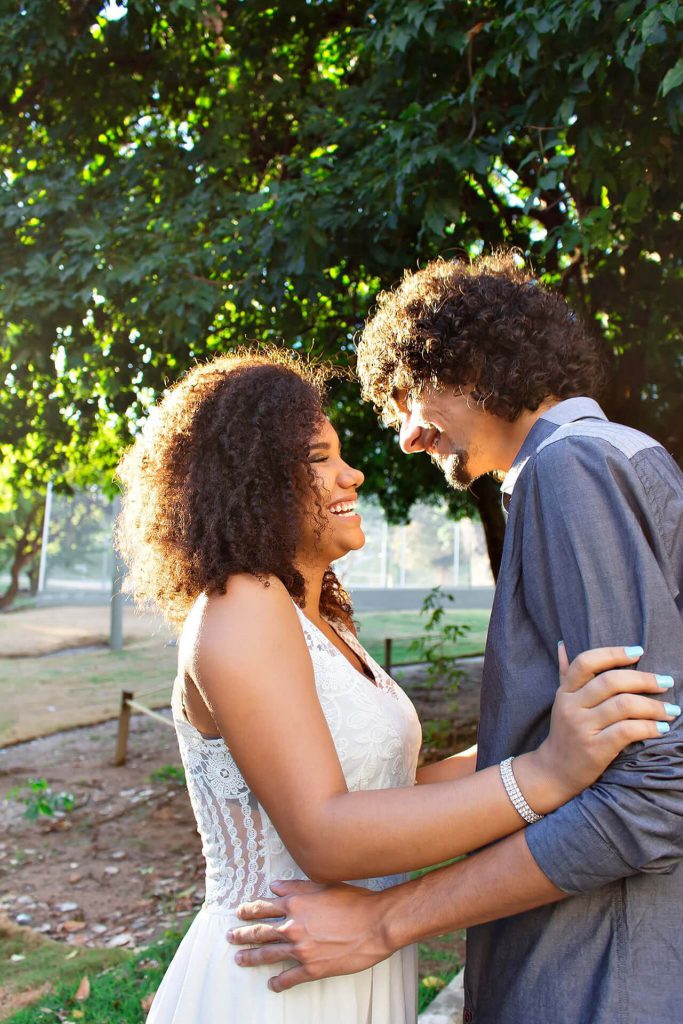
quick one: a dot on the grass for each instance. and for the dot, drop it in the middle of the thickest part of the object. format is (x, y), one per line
(61, 691)
(170, 773)
(64, 690)
(116, 992)
(402, 626)
(45, 960)
(121, 982)
(444, 965)
(439, 959)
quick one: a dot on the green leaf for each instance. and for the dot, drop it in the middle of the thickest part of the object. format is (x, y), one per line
(670, 11)
(590, 65)
(634, 56)
(650, 24)
(673, 78)
(548, 180)
(636, 203)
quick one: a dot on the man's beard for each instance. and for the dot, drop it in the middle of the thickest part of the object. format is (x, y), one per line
(454, 468)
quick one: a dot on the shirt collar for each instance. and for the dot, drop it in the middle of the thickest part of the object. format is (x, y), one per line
(574, 409)
(569, 411)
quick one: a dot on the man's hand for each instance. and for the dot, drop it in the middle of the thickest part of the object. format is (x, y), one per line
(329, 930)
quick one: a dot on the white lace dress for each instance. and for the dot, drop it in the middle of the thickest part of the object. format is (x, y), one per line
(377, 736)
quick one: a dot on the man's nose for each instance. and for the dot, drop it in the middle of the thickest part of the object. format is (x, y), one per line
(412, 436)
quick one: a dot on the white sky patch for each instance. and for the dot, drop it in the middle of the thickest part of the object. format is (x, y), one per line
(113, 11)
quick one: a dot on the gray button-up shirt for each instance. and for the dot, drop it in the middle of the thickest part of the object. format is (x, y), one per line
(593, 555)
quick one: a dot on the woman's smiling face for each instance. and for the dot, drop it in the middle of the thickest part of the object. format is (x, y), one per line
(337, 484)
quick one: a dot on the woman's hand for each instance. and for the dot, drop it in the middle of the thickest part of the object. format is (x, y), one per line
(599, 709)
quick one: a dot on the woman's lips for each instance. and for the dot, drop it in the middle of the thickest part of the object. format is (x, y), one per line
(343, 509)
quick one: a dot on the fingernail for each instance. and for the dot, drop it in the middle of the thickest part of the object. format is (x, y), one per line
(238, 956)
(664, 682)
(633, 652)
(672, 710)
(560, 643)
(229, 936)
(662, 726)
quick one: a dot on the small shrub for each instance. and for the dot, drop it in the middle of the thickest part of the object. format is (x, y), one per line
(431, 648)
(436, 733)
(169, 773)
(40, 801)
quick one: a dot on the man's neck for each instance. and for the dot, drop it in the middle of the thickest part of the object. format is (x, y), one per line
(516, 435)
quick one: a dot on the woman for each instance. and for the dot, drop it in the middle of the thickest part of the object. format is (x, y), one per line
(300, 753)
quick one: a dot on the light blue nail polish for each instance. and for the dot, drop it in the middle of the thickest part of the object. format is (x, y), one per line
(664, 682)
(662, 726)
(672, 710)
(633, 652)
(560, 643)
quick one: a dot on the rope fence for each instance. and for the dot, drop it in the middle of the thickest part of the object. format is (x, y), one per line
(130, 703)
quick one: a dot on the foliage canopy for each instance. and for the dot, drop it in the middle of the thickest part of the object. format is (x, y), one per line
(182, 177)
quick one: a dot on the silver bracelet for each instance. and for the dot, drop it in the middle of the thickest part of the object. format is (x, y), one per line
(515, 793)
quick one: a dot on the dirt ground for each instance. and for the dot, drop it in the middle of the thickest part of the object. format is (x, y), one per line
(71, 677)
(39, 631)
(126, 863)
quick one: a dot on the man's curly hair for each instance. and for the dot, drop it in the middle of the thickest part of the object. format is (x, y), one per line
(219, 483)
(486, 323)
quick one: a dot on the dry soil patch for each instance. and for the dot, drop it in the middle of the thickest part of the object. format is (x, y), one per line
(126, 863)
(38, 631)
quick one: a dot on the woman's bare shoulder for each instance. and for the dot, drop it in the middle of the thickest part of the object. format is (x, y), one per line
(222, 624)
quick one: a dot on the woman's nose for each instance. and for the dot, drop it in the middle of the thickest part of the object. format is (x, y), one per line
(351, 477)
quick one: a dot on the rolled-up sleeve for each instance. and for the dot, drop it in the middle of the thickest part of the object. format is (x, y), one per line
(598, 571)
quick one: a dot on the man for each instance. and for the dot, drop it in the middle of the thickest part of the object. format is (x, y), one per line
(576, 919)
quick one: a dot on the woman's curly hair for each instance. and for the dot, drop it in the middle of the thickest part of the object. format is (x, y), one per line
(219, 483)
(486, 323)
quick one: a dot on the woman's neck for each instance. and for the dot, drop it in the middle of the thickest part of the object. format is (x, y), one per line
(313, 578)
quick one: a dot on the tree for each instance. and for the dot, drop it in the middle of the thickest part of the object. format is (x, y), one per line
(182, 177)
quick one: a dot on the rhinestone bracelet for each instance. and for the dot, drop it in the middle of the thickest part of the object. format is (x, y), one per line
(515, 793)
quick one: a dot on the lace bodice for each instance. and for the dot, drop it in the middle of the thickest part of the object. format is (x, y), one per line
(377, 736)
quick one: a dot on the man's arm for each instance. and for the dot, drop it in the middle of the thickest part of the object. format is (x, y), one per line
(343, 929)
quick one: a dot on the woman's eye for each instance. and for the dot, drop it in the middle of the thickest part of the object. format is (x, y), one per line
(323, 458)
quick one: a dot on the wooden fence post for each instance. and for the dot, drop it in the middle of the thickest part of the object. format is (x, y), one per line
(124, 726)
(387, 655)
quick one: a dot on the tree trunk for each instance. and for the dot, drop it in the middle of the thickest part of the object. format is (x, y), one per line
(28, 545)
(33, 573)
(486, 492)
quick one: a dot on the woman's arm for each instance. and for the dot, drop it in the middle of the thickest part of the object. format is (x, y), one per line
(450, 768)
(254, 671)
